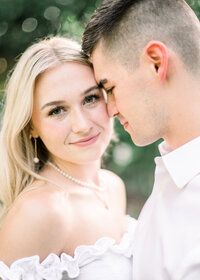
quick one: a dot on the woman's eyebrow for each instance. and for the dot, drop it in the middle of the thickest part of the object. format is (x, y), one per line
(59, 102)
(53, 103)
(90, 89)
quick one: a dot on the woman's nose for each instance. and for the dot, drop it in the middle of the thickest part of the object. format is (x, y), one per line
(80, 122)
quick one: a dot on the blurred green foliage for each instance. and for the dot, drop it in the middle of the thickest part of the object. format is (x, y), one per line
(23, 22)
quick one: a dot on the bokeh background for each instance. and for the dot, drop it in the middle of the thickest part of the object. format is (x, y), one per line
(23, 22)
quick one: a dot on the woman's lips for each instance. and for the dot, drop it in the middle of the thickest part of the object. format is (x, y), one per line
(87, 141)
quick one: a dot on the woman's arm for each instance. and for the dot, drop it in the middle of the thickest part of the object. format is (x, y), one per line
(34, 226)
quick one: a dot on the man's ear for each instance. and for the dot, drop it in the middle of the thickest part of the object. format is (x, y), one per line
(156, 52)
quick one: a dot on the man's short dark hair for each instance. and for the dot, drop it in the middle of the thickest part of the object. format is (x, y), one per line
(126, 26)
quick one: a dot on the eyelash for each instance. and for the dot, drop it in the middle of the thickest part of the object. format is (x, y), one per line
(52, 112)
(95, 96)
(109, 91)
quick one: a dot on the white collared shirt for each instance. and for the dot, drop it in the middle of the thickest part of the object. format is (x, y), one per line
(167, 244)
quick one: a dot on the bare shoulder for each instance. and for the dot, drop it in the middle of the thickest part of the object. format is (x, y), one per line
(113, 180)
(116, 189)
(34, 225)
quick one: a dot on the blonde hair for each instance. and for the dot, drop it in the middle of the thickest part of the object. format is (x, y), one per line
(17, 169)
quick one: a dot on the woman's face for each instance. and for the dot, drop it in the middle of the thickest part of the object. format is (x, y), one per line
(70, 114)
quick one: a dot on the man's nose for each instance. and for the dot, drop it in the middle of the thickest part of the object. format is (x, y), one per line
(80, 122)
(111, 105)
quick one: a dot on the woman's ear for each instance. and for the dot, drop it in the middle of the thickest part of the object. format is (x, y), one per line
(33, 131)
(157, 54)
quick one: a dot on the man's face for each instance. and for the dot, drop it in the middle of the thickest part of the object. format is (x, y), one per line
(133, 96)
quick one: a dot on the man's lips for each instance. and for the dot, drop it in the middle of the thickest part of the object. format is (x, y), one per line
(125, 124)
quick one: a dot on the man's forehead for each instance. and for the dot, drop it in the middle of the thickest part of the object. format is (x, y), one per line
(100, 64)
(97, 51)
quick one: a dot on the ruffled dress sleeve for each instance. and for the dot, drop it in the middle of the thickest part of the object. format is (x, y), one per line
(88, 258)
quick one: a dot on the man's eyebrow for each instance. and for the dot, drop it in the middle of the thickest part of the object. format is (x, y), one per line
(60, 102)
(102, 83)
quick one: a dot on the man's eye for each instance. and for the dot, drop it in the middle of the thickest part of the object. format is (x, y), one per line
(110, 90)
(90, 99)
(56, 111)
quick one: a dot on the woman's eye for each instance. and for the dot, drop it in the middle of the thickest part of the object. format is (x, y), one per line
(91, 99)
(56, 111)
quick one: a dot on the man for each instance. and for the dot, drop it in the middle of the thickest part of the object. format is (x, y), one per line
(146, 55)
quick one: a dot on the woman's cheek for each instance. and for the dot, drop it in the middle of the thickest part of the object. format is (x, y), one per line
(104, 110)
(54, 129)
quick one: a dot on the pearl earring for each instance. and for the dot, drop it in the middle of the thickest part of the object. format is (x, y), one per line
(35, 159)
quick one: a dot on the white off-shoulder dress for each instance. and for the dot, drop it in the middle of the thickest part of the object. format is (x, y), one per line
(105, 260)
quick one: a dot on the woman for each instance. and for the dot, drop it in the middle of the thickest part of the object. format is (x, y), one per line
(63, 217)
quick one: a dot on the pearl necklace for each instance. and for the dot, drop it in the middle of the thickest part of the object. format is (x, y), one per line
(79, 182)
(82, 183)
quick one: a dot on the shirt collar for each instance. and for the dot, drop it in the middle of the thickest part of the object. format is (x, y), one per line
(183, 163)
